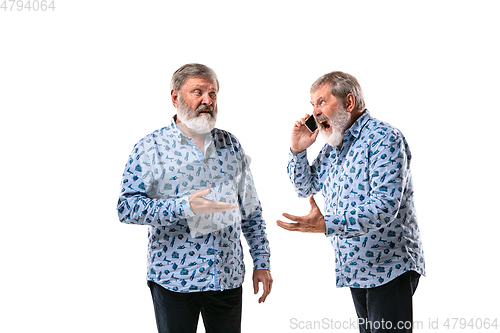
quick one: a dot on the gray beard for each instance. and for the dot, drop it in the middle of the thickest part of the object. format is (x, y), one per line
(338, 124)
(198, 124)
(334, 139)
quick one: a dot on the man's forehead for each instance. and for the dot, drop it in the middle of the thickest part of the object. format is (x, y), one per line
(322, 92)
(200, 82)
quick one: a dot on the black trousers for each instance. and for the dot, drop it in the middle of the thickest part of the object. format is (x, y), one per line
(177, 312)
(387, 308)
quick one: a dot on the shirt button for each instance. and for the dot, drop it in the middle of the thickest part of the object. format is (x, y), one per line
(216, 233)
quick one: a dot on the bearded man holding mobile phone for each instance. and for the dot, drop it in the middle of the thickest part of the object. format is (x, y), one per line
(363, 172)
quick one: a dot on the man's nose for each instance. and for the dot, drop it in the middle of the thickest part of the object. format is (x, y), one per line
(206, 100)
(317, 112)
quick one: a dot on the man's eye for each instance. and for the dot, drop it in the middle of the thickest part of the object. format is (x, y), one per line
(213, 95)
(322, 103)
(197, 92)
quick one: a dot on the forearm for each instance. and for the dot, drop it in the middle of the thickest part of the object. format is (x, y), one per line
(140, 209)
(135, 206)
(254, 230)
(302, 176)
(362, 219)
(252, 224)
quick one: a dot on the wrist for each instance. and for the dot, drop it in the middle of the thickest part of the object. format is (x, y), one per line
(296, 151)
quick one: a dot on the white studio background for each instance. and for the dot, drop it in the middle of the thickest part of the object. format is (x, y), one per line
(81, 84)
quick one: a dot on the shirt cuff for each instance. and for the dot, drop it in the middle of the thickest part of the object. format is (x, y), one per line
(261, 263)
(299, 155)
(183, 208)
(332, 223)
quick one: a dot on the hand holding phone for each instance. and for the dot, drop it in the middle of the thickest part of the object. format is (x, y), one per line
(303, 138)
(311, 124)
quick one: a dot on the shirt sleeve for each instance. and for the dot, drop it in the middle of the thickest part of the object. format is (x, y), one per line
(134, 204)
(305, 178)
(388, 164)
(253, 224)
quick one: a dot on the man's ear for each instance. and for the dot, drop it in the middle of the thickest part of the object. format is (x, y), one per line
(349, 102)
(175, 97)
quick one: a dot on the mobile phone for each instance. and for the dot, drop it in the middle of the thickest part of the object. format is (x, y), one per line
(311, 124)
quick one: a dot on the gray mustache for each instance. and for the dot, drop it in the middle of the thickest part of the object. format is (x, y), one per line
(321, 118)
(203, 108)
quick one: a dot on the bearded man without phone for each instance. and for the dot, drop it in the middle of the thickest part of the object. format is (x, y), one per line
(191, 184)
(363, 172)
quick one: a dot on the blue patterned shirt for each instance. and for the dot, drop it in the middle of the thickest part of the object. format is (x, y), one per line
(189, 252)
(369, 205)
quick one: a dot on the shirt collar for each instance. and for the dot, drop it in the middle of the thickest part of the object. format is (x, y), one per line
(173, 126)
(355, 128)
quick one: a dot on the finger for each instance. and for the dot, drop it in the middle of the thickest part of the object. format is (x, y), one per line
(255, 286)
(218, 206)
(288, 226)
(267, 284)
(303, 120)
(291, 217)
(266, 292)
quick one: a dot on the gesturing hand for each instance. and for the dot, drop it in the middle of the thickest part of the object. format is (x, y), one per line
(201, 205)
(313, 222)
(302, 138)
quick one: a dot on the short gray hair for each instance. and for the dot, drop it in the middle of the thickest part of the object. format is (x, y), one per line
(192, 71)
(341, 85)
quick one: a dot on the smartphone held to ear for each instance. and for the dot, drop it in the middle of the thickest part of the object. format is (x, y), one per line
(311, 124)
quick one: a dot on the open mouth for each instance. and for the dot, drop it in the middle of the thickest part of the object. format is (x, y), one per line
(204, 109)
(324, 123)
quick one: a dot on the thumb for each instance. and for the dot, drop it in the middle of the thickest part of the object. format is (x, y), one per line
(255, 286)
(315, 134)
(312, 202)
(201, 193)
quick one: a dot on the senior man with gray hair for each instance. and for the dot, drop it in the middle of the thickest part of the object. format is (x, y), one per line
(191, 184)
(364, 175)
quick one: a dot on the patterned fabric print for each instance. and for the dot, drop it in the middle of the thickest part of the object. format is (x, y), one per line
(189, 252)
(369, 205)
